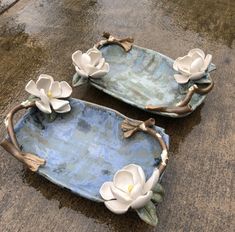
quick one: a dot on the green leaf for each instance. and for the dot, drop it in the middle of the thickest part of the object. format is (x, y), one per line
(51, 117)
(157, 198)
(148, 214)
(211, 68)
(158, 189)
(203, 80)
(32, 98)
(78, 80)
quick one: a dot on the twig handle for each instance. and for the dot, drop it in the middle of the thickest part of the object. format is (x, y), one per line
(125, 43)
(32, 161)
(183, 106)
(130, 127)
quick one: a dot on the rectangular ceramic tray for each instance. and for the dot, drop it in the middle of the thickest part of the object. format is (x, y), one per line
(84, 148)
(145, 79)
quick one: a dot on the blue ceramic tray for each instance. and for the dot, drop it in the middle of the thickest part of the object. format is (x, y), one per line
(145, 79)
(85, 147)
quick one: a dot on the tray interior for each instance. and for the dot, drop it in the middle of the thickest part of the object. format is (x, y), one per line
(84, 148)
(141, 77)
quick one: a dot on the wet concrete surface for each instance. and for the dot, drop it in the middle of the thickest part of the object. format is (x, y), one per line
(6, 4)
(40, 36)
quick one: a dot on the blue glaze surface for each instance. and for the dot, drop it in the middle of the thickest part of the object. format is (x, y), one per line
(144, 77)
(85, 147)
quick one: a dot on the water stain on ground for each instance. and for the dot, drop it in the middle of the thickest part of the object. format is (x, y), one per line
(213, 18)
(20, 55)
(12, 36)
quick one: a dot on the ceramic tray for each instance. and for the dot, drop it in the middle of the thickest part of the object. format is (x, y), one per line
(145, 79)
(82, 149)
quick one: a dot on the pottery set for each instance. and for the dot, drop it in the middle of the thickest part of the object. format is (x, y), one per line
(94, 151)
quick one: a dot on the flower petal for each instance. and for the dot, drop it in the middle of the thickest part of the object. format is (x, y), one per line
(175, 64)
(31, 88)
(152, 180)
(81, 72)
(207, 62)
(197, 50)
(44, 82)
(58, 104)
(184, 72)
(184, 63)
(101, 72)
(120, 195)
(137, 172)
(66, 89)
(64, 109)
(195, 56)
(105, 191)
(196, 65)
(197, 75)
(181, 79)
(122, 179)
(136, 191)
(101, 63)
(55, 89)
(44, 98)
(141, 201)
(76, 58)
(44, 107)
(105, 68)
(95, 56)
(46, 76)
(116, 206)
(85, 62)
(89, 69)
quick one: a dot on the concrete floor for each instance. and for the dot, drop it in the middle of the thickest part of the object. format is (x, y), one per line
(40, 36)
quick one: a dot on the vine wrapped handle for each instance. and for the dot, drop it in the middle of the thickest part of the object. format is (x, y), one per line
(183, 106)
(130, 127)
(32, 161)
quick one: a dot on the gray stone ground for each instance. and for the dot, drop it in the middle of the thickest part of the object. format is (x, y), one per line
(40, 36)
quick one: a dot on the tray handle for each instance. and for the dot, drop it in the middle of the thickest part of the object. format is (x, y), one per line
(32, 161)
(183, 106)
(130, 127)
(125, 43)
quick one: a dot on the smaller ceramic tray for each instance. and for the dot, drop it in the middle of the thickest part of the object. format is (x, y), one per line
(84, 148)
(145, 79)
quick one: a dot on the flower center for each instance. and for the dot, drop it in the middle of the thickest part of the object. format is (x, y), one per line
(130, 187)
(49, 94)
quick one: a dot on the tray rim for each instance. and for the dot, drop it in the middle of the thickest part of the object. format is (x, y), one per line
(81, 192)
(178, 110)
(173, 115)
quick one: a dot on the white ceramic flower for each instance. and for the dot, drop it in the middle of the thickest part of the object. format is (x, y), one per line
(128, 189)
(192, 66)
(90, 64)
(48, 93)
